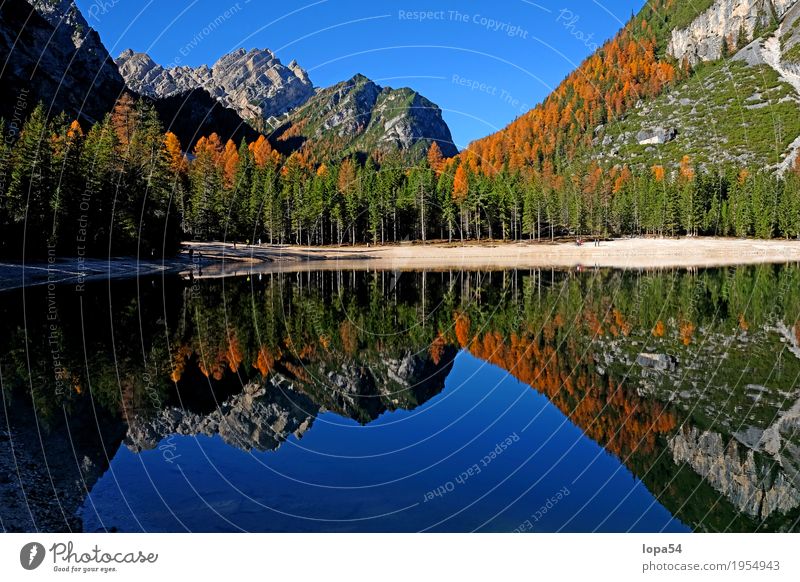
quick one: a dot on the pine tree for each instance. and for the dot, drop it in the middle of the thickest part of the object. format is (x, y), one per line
(69, 186)
(28, 199)
(349, 189)
(100, 167)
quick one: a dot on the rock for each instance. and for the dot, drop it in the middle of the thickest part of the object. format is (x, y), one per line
(753, 486)
(703, 39)
(656, 135)
(260, 418)
(255, 84)
(660, 362)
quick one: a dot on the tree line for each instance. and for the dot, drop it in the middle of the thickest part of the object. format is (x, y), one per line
(250, 193)
(72, 191)
(125, 186)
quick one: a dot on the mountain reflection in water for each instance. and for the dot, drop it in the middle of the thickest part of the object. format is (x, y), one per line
(405, 401)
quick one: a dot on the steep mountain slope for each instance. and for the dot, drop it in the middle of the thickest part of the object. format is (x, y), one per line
(729, 111)
(49, 53)
(739, 106)
(255, 84)
(723, 24)
(359, 116)
(705, 79)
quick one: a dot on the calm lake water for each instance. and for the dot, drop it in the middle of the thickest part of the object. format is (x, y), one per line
(574, 401)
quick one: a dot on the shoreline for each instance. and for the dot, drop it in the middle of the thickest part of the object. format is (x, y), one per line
(78, 271)
(633, 253)
(216, 259)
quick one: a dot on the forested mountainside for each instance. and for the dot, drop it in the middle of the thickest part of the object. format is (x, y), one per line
(686, 122)
(640, 82)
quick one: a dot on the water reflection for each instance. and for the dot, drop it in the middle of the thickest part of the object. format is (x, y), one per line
(402, 401)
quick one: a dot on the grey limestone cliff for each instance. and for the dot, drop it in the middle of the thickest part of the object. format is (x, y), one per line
(253, 83)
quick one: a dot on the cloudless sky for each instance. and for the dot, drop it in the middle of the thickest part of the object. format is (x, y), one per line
(484, 63)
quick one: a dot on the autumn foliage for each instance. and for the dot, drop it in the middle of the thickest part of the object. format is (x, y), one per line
(605, 85)
(608, 413)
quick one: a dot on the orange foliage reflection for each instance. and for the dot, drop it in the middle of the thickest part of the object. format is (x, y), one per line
(622, 422)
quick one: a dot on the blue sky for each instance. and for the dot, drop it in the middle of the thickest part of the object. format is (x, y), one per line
(484, 63)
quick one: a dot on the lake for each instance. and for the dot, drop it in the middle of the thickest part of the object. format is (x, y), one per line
(583, 400)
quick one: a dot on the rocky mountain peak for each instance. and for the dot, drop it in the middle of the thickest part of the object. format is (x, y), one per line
(63, 13)
(299, 72)
(253, 83)
(360, 116)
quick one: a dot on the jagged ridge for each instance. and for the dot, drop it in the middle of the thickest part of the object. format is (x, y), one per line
(255, 84)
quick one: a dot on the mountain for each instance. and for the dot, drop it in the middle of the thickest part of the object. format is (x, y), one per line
(195, 114)
(355, 116)
(255, 84)
(269, 410)
(51, 54)
(359, 116)
(715, 80)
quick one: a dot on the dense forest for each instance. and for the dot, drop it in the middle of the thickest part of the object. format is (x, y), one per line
(250, 193)
(72, 190)
(124, 186)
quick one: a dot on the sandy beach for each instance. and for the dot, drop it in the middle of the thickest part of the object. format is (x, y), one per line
(637, 253)
(212, 260)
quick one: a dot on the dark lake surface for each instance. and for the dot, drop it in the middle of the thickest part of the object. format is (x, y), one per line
(544, 400)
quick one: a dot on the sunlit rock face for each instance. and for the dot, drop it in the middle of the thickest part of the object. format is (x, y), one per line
(704, 38)
(358, 114)
(253, 83)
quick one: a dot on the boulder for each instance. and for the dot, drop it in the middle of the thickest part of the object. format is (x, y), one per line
(656, 135)
(660, 362)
